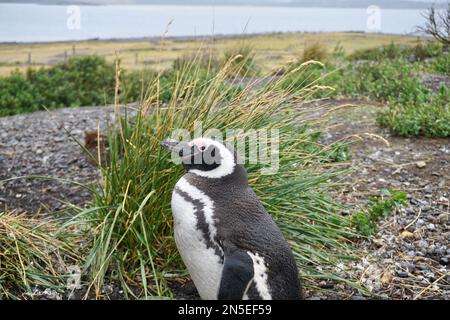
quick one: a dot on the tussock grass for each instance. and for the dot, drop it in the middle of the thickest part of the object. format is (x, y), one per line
(131, 215)
(240, 61)
(34, 253)
(315, 51)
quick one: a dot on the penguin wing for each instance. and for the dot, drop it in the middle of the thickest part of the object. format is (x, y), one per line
(237, 272)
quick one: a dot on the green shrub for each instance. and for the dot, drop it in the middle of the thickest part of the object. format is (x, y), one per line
(386, 80)
(391, 51)
(366, 222)
(441, 64)
(428, 50)
(430, 118)
(79, 82)
(419, 52)
(88, 81)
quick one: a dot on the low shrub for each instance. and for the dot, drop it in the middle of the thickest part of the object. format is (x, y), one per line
(387, 80)
(378, 208)
(430, 118)
(419, 52)
(79, 82)
(440, 65)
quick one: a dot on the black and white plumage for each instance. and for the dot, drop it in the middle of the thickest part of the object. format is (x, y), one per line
(229, 243)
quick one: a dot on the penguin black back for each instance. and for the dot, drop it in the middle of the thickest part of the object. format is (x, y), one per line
(247, 253)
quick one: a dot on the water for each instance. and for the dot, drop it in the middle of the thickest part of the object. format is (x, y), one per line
(38, 23)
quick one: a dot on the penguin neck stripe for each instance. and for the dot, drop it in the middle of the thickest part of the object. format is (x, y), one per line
(202, 224)
(206, 211)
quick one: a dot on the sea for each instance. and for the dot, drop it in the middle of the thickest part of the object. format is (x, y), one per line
(48, 23)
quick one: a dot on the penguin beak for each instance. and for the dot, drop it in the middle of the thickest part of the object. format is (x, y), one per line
(181, 148)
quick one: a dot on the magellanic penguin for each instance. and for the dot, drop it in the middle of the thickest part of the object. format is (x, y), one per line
(229, 243)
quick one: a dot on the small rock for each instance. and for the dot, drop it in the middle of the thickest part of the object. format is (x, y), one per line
(386, 278)
(412, 253)
(402, 274)
(431, 226)
(409, 266)
(326, 285)
(429, 275)
(108, 289)
(378, 242)
(421, 164)
(422, 267)
(442, 218)
(358, 298)
(406, 234)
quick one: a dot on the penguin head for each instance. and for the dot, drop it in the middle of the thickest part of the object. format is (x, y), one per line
(204, 157)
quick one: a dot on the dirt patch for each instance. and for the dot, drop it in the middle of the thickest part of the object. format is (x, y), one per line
(408, 257)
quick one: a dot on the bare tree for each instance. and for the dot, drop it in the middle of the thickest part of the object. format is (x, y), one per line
(437, 24)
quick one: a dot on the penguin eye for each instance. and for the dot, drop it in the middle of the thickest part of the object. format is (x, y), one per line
(202, 148)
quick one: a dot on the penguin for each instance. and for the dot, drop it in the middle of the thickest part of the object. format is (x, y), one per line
(231, 246)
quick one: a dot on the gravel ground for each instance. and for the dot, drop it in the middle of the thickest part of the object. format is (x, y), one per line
(37, 145)
(407, 259)
(409, 256)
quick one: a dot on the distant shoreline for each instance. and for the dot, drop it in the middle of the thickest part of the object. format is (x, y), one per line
(155, 39)
(395, 6)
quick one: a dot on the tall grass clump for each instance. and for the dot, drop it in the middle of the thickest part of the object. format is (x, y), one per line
(34, 253)
(315, 51)
(240, 61)
(131, 215)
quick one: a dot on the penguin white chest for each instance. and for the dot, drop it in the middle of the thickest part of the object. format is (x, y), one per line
(193, 213)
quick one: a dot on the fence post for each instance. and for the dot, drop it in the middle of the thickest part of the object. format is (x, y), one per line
(136, 58)
(65, 55)
(29, 59)
(74, 52)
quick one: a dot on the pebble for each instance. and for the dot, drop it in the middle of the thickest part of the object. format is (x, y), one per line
(421, 164)
(412, 253)
(409, 266)
(33, 144)
(402, 274)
